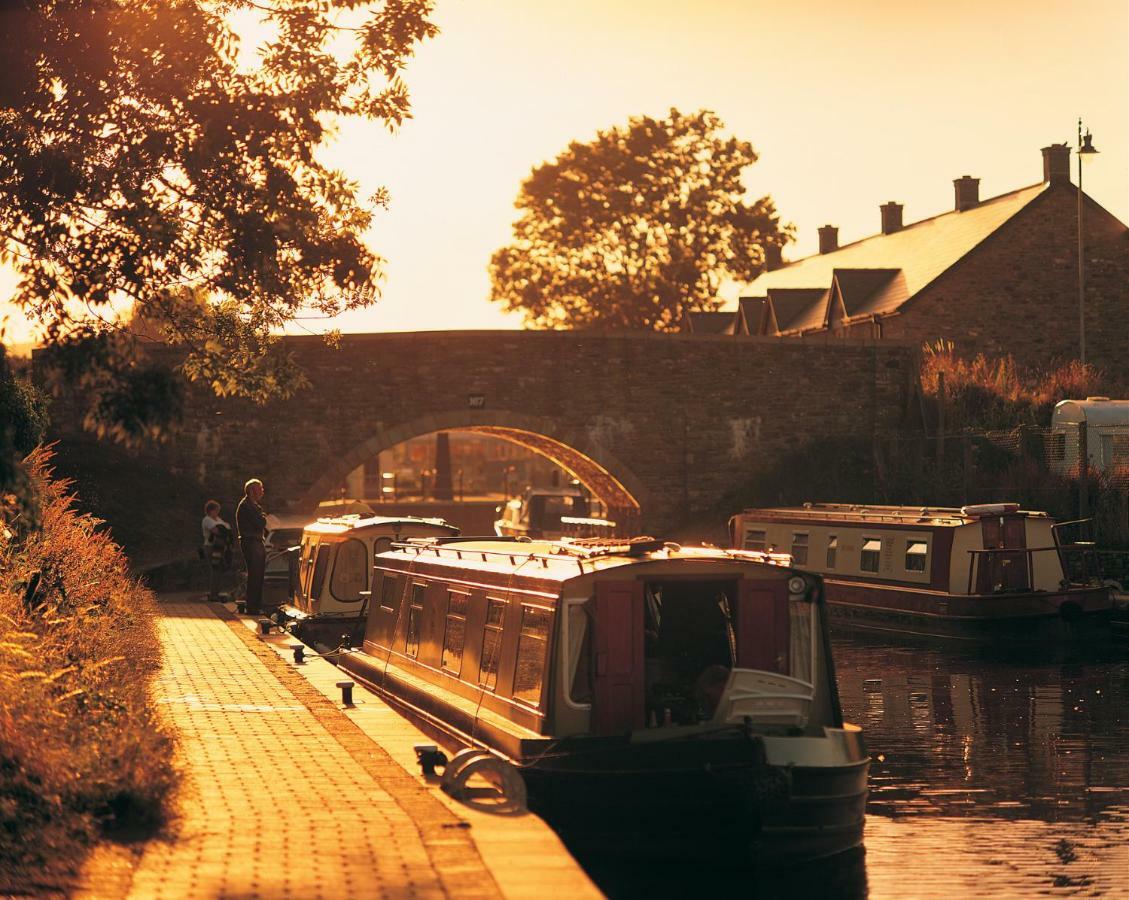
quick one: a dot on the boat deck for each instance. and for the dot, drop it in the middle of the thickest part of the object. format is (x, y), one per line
(285, 793)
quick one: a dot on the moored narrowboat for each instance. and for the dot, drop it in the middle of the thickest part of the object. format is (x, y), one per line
(331, 569)
(552, 514)
(654, 698)
(984, 573)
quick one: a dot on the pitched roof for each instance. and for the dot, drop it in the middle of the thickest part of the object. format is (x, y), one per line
(921, 251)
(798, 308)
(858, 288)
(751, 313)
(710, 322)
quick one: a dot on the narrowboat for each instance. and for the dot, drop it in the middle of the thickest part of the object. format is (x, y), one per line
(985, 573)
(332, 566)
(655, 699)
(552, 514)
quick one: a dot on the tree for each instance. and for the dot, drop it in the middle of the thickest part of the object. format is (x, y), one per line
(144, 160)
(636, 228)
(23, 422)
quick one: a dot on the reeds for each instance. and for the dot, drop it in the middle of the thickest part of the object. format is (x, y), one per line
(83, 754)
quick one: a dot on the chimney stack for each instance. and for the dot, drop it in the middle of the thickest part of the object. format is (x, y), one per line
(773, 257)
(967, 192)
(891, 217)
(1056, 164)
(828, 239)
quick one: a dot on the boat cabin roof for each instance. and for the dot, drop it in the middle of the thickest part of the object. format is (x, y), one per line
(564, 560)
(356, 524)
(848, 513)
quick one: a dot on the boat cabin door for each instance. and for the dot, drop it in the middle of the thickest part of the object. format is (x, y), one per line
(618, 695)
(1001, 570)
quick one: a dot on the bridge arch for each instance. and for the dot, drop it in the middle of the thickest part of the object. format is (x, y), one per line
(593, 465)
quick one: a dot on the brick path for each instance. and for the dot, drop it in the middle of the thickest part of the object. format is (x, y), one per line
(282, 795)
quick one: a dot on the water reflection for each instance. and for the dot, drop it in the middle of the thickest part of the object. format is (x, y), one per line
(991, 776)
(1003, 778)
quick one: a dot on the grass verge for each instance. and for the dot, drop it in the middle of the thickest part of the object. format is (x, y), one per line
(83, 754)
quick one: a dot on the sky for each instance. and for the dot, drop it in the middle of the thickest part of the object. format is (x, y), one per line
(848, 105)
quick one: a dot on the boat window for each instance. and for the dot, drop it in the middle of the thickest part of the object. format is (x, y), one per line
(531, 646)
(415, 620)
(454, 634)
(391, 591)
(799, 547)
(915, 555)
(350, 571)
(871, 554)
(306, 561)
(579, 672)
(832, 550)
(755, 539)
(802, 640)
(321, 565)
(491, 643)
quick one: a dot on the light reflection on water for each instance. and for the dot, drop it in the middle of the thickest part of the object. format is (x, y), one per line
(990, 778)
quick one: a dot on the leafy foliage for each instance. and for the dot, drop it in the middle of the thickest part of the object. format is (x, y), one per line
(145, 160)
(989, 393)
(636, 228)
(23, 422)
(83, 752)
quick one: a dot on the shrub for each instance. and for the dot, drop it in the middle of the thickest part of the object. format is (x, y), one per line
(83, 754)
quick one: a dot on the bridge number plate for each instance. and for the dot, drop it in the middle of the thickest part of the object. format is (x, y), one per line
(476, 401)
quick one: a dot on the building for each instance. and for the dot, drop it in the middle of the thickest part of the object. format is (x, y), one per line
(995, 276)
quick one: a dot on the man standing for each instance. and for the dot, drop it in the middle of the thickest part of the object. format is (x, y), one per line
(251, 522)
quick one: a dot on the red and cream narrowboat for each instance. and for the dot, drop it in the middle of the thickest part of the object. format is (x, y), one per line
(988, 573)
(654, 698)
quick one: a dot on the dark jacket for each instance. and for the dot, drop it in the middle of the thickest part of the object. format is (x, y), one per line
(250, 520)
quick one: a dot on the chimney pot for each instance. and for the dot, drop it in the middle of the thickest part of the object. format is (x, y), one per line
(967, 192)
(1056, 164)
(891, 217)
(828, 239)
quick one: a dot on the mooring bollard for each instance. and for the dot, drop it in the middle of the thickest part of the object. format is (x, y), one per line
(265, 626)
(299, 653)
(429, 756)
(346, 692)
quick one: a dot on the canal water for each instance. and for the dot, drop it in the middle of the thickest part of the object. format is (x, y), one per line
(990, 778)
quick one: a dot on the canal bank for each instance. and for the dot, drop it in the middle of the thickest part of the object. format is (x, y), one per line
(286, 793)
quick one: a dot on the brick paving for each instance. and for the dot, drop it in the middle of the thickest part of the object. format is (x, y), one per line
(282, 795)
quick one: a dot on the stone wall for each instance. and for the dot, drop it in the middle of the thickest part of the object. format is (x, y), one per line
(677, 420)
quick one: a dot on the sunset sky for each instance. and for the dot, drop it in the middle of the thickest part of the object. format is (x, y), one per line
(848, 104)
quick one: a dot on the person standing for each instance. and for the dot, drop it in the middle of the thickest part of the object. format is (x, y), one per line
(217, 537)
(251, 522)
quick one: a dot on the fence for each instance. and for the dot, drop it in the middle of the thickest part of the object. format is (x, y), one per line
(1074, 472)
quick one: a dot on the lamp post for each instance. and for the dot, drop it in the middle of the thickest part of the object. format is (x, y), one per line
(1085, 151)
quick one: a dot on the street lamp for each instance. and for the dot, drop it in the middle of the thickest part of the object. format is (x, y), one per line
(1086, 150)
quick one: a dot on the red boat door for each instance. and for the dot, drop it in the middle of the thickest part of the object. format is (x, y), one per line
(762, 625)
(1005, 571)
(618, 697)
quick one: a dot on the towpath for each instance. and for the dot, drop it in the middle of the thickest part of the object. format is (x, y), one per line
(286, 793)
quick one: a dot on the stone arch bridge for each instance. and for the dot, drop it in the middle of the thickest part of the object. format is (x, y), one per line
(660, 424)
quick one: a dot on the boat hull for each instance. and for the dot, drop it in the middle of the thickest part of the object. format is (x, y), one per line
(728, 794)
(705, 810)
(1023, 617)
